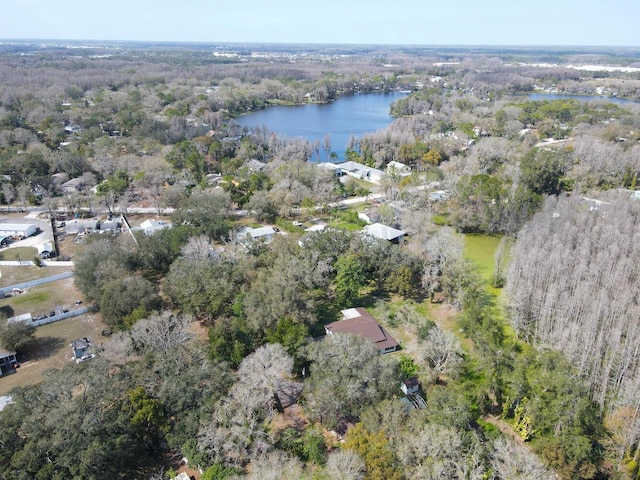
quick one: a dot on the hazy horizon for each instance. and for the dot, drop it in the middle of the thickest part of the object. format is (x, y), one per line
(407, 22)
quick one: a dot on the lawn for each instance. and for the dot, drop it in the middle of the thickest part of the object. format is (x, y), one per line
(480, 249)
(51, 349)
(18, 253)
(42, 298)
(14, 275)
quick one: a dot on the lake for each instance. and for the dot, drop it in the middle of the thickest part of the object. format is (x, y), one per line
(346, 116)
(582, 98)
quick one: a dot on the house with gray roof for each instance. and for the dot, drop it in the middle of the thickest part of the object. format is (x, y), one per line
(361, 172)
(384, 232)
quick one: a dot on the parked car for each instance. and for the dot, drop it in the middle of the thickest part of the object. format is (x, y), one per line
(84, 358)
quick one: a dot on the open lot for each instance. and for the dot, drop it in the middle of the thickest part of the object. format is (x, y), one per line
(42, 298)
(13, 275)
(18, 253)
(51, 349)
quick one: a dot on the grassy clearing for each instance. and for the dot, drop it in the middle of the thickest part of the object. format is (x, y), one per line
(42, 298)
(480, 249)
(32, 298)
(18, 253)
(341, 224)
(51, 350)
(15, 275)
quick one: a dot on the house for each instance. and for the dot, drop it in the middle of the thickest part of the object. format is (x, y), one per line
(308, 232)
(22, 230)
(74, 185)
(81, 227)
(261, 233)
(357, 321)
(361, 172)
(398, 168)
(384, 232)
(410, 386)
(255, 165)
(72, 128)
(110, 224)
(8, 361)
(59, 178)
(149, 227)
(80, 347)
(332, 167)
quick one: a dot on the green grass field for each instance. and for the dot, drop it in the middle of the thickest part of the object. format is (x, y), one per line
(480, 249)
(42, 298)
(18, 253)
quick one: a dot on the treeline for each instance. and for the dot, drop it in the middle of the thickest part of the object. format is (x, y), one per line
(571, 286)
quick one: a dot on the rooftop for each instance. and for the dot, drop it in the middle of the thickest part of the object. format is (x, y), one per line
(384, 232)
(357, 321)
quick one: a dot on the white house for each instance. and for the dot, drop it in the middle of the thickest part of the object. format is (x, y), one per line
(149, 227)
(249, 234)
(332, 167)
(410, 386)
(398, 168)
(361, 172)
(255, 165)
(384, 232)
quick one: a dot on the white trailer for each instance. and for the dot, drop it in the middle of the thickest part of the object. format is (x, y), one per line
(23, 230)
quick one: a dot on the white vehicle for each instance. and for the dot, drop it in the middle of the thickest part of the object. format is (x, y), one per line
(85, 358)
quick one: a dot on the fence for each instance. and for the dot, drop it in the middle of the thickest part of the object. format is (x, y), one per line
(56, 318)
(31, 263)
(33, 283)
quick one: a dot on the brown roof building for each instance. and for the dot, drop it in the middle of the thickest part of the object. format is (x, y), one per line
(357, 321)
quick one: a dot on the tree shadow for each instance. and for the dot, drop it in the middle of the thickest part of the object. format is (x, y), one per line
(41, 348)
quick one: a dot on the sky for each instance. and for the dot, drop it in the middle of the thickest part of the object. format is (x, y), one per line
(413, 22)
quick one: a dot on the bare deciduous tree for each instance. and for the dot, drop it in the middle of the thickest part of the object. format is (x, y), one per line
(514, 462)
(573, 285)
(441, 350)
(344, 464)
(162, 331)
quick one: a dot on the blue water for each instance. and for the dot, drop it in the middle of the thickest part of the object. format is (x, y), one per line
(582, 98)
(349, 115)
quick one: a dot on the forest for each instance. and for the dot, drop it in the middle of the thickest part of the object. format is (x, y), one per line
(529, 369)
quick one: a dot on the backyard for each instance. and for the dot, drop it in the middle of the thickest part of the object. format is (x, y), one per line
(51, 349)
